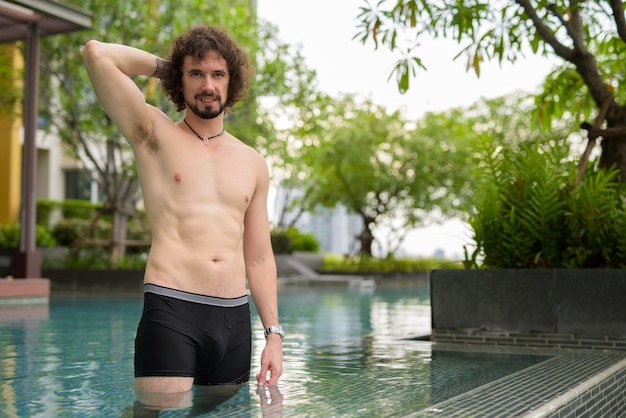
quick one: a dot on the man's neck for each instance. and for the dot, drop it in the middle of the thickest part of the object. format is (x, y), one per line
(205, 127)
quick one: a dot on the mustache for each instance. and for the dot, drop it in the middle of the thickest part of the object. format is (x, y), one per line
(209, 94)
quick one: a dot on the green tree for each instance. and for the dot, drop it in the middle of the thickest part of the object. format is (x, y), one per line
(378, 166)
(449, 139)
(589, 36)
(71, 106)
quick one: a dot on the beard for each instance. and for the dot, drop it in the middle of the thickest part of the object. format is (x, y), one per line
(208, 112)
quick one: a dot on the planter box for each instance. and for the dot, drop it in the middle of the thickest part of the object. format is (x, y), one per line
(532, 307)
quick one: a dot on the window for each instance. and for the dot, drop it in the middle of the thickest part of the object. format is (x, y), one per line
(78, 184)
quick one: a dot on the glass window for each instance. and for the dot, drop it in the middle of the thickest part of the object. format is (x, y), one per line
(78, 184)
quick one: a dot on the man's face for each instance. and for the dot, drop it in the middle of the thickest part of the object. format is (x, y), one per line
(205, 84)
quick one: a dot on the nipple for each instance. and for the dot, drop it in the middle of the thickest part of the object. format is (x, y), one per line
(177, 178)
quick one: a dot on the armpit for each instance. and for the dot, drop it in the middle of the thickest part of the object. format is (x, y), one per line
(146, 138)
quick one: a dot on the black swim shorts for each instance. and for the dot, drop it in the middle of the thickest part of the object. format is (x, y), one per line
(192, 335)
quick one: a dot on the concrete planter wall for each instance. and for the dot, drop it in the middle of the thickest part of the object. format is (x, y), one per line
(556, 308)
(93, 281)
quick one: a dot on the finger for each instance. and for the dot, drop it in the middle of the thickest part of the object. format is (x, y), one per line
(261, 378)
(274, 375)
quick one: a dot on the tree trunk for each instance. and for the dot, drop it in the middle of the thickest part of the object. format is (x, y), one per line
(366, 238)
(118, 231)
(614, 154)
(614, 146)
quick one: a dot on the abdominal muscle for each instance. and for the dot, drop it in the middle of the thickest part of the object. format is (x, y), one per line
(193, 254)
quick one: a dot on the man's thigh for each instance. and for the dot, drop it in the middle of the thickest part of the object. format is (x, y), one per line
(163, 392)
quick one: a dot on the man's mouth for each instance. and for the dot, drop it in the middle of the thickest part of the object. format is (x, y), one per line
(207, 99)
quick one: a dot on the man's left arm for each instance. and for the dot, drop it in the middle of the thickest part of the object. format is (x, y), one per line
(261, 273)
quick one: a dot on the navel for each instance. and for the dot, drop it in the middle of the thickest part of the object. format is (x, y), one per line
(178, 178)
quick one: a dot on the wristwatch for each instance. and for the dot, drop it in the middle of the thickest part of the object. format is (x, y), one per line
(275, 329)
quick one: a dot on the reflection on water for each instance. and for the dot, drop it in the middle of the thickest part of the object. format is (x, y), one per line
(345, 353)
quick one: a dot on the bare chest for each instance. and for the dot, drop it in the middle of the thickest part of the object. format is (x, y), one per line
(198, 176)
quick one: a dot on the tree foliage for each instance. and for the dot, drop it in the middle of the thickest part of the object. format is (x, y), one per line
(10, 90)
(588, 36)
(376, 164)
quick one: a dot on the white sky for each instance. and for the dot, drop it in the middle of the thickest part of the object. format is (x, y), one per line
(324, 29)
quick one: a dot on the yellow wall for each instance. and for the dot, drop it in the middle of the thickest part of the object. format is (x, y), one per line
(10, 147)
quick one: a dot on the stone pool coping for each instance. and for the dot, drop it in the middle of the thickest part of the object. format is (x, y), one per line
(568, 384)
(15, 290)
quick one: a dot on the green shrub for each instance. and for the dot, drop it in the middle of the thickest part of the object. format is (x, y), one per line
(334, 263)
(596, 222)
(67, 230)
(45, 208)
(301, 241)
(10, 236)
(530, 215)
(281, 242)
(70, 209)
(79, 209)
(136, 231)
(43, 237)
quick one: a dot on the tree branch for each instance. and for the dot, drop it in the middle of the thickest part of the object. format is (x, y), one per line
(580, 56)
(545, 32)
(83, 144)
(552, 8)
(584, 159)
(618, 14)
(574, 27)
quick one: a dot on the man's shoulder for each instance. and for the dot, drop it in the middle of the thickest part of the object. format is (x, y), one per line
(253, 157)
(248, 149)
(157, 114)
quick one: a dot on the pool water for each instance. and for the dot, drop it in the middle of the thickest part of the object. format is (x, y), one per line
(347, 353)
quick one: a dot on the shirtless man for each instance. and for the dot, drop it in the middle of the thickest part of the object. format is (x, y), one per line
(205, 194)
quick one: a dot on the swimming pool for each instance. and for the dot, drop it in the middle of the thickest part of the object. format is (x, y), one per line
(346, 354)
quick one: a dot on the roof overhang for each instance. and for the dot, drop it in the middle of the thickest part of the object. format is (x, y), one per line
(50, 16)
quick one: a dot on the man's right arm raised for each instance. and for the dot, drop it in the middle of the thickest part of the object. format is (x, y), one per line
(109, 67)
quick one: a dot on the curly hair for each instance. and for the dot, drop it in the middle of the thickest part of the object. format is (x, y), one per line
(196, 42)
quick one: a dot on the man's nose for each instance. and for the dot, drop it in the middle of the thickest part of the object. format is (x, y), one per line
(209, 84)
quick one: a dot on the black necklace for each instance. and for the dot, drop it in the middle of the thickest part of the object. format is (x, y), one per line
(204, 138)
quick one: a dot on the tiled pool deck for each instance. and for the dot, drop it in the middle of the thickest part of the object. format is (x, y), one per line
(580, 383)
